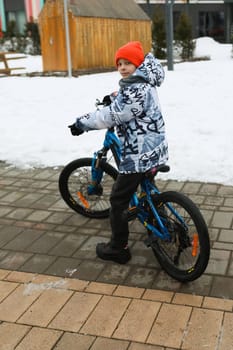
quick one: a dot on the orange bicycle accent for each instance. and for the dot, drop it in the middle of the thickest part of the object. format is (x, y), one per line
(83, 200)
(195, 244)
(132, 208)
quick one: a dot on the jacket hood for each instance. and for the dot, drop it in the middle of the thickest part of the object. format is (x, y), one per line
(150, 70)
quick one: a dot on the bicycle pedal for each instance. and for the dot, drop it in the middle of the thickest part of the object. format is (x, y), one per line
(147, 242)
(132, 213)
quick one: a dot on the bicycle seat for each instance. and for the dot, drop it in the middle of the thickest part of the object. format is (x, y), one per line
(163, 168)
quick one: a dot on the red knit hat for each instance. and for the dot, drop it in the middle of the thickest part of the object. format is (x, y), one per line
(132, 51)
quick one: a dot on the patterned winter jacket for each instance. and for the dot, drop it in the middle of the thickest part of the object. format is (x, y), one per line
(137, 116)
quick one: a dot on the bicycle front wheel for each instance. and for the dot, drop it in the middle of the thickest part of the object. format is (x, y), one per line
(73, 185)
(185, 256)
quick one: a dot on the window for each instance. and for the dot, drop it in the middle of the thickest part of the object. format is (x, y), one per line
(211, 24)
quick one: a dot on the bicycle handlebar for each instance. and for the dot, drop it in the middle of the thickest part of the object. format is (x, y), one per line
(105, 102)
(99, 103)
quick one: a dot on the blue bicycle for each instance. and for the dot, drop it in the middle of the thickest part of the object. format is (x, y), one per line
(176, 229)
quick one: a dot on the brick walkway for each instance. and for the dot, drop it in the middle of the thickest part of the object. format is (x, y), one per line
(63, 313)
(40, 234)
(48, 262)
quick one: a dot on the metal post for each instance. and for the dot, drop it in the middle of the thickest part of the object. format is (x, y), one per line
(187, 7)
(148, 7)
(169, 33)
(66, 20)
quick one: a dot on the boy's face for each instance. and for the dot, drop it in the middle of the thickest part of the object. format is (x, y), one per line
(125, 68)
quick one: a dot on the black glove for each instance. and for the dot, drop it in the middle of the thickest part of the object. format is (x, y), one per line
(107, 100)
(74, 130)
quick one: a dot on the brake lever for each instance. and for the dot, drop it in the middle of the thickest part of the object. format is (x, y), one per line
(98, 103)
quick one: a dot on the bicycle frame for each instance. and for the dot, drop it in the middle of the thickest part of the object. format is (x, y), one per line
(147, 189)
(111, 142)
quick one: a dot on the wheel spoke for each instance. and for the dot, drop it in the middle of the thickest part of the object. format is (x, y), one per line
(78, 186)
(185, 255)
(179, 249)
(81, 193)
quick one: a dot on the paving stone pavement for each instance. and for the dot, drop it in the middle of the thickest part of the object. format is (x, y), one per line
(40, 234)
(56, 313)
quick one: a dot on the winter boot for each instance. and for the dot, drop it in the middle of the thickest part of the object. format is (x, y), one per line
(119, 255)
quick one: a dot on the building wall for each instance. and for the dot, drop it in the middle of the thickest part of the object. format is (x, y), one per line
(209, 18)
(2, 16)
(14, 5)
(19, 11)
(229, 21)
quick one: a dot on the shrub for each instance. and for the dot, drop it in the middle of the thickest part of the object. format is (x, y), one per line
(183, 36)
(159, 34)
(29, 43)
(32, 32)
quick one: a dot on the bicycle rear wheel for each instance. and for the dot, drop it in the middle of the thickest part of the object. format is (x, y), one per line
(185, 256)
(73, 185)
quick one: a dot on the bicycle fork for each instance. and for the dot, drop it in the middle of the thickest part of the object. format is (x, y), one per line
(95, 187)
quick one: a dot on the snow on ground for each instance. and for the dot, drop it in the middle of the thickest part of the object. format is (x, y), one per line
(196, 99)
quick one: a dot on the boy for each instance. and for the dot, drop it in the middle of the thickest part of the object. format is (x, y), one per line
(135, 111)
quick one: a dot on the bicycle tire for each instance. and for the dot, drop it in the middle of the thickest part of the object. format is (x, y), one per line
(73, 183)
(192, 239)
